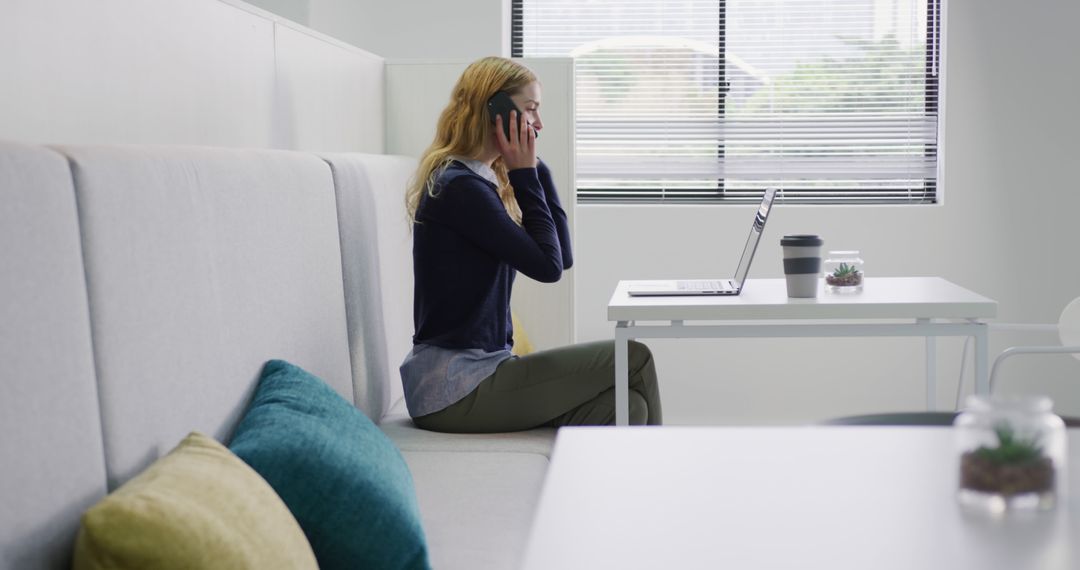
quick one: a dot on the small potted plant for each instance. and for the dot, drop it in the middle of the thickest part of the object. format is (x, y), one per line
(845, 275)
(1015, 466)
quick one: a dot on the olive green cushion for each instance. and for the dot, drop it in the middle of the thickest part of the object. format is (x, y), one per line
(342, 478)
(197, 507)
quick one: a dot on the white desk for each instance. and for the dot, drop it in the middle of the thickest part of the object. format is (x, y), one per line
(887, 306)
(844, 498)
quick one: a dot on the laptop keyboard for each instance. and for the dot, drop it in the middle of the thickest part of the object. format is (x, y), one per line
(701, 285)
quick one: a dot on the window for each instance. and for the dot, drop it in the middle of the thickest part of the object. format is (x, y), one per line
(833, 101)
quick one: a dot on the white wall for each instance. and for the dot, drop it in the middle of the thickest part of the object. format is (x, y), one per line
(294, 10)
(1027, 127)
(329, 97)
(458, 29)
(413, 29)
(205, 72)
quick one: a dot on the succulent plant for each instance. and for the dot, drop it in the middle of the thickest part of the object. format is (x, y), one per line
(845, 275)
(1010, 449)
(845, 270)
(1014, 466)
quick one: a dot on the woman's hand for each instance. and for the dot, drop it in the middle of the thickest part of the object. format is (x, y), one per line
(520, 150)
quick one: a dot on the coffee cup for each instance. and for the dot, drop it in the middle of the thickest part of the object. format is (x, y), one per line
(802, 264)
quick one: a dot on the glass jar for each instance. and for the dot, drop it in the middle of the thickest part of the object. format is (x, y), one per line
(1011, 453)
(843, 272)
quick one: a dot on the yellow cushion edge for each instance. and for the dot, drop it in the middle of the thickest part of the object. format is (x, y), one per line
(199, 506)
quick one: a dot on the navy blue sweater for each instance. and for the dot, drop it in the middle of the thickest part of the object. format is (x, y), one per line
(467, 250)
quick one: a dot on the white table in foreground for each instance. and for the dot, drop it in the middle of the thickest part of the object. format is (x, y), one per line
(921, 301)
(837, 498)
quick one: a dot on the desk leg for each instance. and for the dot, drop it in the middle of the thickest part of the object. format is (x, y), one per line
(982, 356)
(622, 375)
(931, 369)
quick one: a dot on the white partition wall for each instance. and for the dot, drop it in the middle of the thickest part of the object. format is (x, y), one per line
(84, 72)
(417, 91)
(329, 96)
(200, 72)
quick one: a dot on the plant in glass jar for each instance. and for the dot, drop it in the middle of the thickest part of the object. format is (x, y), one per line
(1015, 466)
(1012, 453)
(844, 275)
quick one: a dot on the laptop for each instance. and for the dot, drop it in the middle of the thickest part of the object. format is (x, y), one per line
(713, 286)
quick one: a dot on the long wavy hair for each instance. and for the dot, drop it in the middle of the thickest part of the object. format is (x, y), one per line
(465, 124)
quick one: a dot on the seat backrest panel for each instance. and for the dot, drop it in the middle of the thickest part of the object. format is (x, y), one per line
(51, 458)
(376, 245)
(201, 265)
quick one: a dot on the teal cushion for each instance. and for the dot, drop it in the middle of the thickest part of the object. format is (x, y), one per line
(344, 481)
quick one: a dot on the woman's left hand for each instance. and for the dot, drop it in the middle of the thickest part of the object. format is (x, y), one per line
(519, 151)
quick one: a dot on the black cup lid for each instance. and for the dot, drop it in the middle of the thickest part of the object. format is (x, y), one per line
(800, 240)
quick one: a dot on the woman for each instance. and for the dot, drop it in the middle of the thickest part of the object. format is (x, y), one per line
(484, 207)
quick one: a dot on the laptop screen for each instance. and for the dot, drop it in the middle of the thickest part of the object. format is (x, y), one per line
(755, 235)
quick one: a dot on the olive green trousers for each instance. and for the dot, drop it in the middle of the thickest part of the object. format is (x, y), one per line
(567, 386)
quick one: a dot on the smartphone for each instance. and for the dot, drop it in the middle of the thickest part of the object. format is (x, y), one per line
(501, 104)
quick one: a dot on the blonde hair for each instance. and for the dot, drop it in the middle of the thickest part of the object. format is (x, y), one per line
(464, 126)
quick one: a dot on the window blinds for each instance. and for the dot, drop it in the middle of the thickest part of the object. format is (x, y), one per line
(833, 101)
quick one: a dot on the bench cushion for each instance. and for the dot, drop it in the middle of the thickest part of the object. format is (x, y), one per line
(408, 437)
(477, 507)
(50, 432)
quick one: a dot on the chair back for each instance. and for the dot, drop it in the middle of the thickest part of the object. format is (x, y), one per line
(1069, 325)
